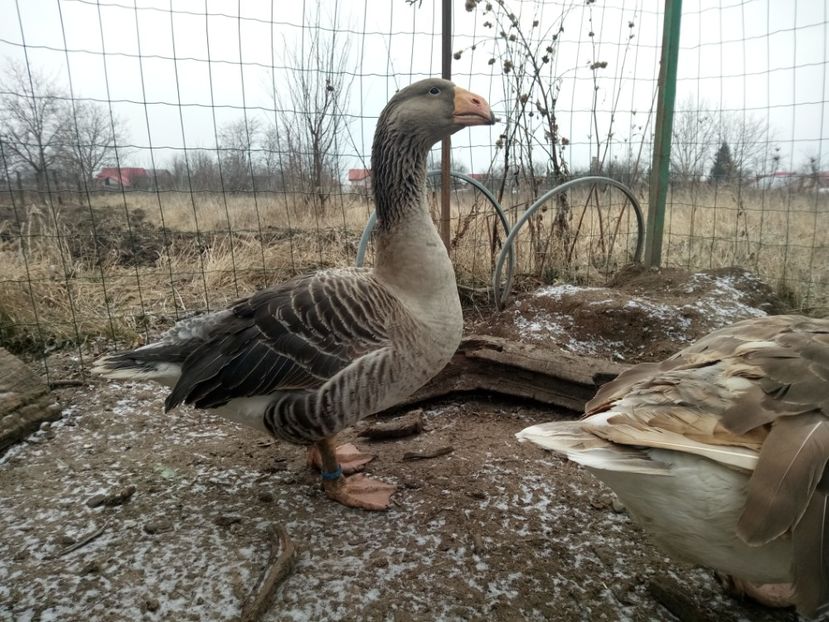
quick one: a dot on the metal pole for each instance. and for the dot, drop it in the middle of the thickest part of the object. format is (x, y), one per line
(660, 166)
(446, 145)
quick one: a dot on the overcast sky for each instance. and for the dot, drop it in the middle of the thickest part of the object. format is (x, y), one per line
(765, 57)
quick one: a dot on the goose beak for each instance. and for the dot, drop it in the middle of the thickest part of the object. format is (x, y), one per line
(471, 109)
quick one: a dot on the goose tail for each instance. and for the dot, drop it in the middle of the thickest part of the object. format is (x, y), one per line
(162, 360)
(152, 362)
(583, 447)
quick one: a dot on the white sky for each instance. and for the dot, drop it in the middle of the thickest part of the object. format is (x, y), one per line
(765, 57)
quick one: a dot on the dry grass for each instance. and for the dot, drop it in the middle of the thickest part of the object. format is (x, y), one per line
(209, 211)
(168, 255)
(57, 286)
(779, 235)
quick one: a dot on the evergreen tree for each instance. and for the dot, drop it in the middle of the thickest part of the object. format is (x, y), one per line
(723, 168)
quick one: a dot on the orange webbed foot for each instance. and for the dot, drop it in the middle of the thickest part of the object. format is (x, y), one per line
(359, 491)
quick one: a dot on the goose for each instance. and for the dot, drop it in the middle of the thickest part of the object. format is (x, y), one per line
(307, 358)
(720, 452)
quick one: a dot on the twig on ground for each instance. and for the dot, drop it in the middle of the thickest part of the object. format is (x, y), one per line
(82, 542)
(428, 453)
(397, 428)
(281, 563)
(62, 384)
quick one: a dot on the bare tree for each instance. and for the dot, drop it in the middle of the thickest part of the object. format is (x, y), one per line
(274, 158)
(694, 137)
(89, 138)
(43, 131)
(317, 87)
(238, 141)
(750, 139)
(809, 175)
(699, 131)
(196, 169)
(32, 120)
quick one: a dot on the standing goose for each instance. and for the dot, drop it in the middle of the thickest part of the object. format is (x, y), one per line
(720, 452)
(307, 358)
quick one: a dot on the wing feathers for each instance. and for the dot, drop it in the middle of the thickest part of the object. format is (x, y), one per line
(810, 541)
(579, 445)
(651, 436)
(297, 335)
(791, 464)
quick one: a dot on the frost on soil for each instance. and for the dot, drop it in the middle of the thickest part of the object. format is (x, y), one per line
(495, 530)
(647, 317)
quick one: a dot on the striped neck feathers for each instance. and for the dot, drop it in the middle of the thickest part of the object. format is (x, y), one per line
(398, 163)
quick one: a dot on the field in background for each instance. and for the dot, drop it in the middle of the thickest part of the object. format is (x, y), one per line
(128, 265)
(781, 235)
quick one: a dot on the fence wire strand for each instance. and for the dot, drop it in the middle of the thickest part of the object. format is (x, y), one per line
(175, 162)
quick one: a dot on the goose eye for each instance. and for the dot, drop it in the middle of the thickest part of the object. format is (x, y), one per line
(434, 91)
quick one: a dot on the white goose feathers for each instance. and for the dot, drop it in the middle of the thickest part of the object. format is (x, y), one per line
(721, 451)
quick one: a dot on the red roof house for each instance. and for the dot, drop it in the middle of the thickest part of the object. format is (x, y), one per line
(360, 178)
(358, 174)
(123, 177)
(130, 177)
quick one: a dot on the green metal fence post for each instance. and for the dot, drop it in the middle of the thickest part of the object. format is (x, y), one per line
(446, 144)
(660, 166)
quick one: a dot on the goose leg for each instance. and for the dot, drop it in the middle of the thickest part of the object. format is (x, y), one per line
(357, 491)
(350, 459)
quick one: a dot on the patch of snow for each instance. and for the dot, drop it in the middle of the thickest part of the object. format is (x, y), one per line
(721, 304)
(557, 292)
(542, 324)
(724, 305)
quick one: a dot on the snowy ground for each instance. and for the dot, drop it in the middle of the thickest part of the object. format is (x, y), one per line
(494, 530)
(645, 316)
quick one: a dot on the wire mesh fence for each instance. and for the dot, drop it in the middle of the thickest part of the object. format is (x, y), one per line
(749, 185)
(161, 158)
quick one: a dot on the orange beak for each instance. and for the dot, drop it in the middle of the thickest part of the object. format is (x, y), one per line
(471, 109)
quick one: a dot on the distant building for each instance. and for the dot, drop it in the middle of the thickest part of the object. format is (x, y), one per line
(360, 178)
(134, 178)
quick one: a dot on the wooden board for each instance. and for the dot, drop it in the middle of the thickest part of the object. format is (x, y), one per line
(25, 401)
(543, 373)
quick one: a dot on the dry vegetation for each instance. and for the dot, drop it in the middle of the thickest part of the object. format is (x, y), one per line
(132, 264)
(779, 234)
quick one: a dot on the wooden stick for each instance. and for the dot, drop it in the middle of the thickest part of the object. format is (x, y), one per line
(279, 567)
(82, 542)
(397, 428)
(61, 384)
(426, 454)
(668, 594)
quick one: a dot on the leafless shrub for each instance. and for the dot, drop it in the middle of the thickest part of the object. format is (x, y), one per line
(314, 123)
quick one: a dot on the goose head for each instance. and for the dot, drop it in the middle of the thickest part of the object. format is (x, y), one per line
(416, 118)
(433, 109)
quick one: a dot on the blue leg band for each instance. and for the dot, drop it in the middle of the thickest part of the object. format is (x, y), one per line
(333, 474)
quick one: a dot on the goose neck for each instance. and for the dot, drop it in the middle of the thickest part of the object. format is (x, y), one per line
(399, 178)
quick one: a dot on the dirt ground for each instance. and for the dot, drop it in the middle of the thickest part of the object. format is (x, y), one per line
(642, 315)
(494, 530)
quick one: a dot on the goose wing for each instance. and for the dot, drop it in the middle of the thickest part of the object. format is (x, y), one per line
(293, 336)
(727, 389)
(753, 396)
